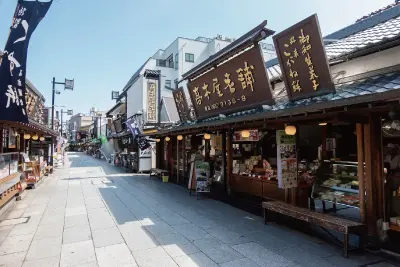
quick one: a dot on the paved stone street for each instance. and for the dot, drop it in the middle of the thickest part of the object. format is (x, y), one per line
(92, 214)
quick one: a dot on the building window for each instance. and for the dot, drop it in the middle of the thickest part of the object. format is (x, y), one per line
(168, 84)
(189, 57)
(160, 63)
(170, 61)
(176, 61)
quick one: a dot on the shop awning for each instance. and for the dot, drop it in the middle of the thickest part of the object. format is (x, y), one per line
(378, 88)
(31, 127)
(119, 135)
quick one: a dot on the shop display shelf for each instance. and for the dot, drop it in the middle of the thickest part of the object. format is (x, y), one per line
(394, 227)
(342, 189)
(338, 203)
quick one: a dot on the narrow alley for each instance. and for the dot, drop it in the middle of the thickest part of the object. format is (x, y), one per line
(92, 214)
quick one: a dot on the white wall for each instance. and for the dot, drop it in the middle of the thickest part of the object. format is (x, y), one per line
(135, 97)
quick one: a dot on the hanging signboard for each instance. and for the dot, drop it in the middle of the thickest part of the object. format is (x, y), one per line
(151, 101)
(254, 136)
(238, 84)
(181, 104)
(286, 159)
(202, 171)
(26, 18)
(302, 58)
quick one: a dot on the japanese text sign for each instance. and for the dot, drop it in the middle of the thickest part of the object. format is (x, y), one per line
(238, 84)
(303, 61)
(181, 104)
(26, 18)
(151, 101)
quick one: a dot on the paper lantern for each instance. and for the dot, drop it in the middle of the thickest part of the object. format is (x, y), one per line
(158, 140)
(207, 136)
(35, 137)
(27, 136)
(167, 138)
(323, 123)
(41, 138)
(245, 133)
(179, 137)
(290, 130)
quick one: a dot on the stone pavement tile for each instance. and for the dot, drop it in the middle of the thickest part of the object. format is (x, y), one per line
(204, 222)
(49, 230)
(76, 220)
(77, 253)
(53, 218)
(44, 248)
(89, 264)
(115, 255)
(158, 263)
(175, 220)
(172, 239)
(94, 204)
(160, 228)
(382, 264)
(227, 236)
(139, 240)
(269, 241)
(304, 258)
(100, 221)
(354, 259)
(240, 263)
(12, 260)
(195, 260)
(191, 231)
(76, 234)
(261, 255)
(216, 250)
(143, 257)
(13, 213)
(14, 244)
(75, 211)
(35, 210)
(106, 237)
(47, 262)
(176, 250)
(4, 232)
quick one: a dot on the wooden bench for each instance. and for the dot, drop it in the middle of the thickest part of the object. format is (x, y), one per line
(323, 220)
(158, 172)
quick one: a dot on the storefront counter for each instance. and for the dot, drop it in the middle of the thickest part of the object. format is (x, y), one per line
(257, 187)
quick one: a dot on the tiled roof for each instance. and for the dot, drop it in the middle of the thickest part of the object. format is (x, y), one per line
(378, 88)
(368, 32)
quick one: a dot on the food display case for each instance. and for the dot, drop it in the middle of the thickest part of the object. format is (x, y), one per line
(9, 175)
(338, 184)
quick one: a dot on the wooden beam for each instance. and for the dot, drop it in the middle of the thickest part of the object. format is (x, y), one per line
(369, 184)
(361, 180)
(229, 159)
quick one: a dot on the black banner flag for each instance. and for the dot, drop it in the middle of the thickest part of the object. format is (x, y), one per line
(26, 18)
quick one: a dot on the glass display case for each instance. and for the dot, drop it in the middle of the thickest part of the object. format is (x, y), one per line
(8, 164)
(337, 183)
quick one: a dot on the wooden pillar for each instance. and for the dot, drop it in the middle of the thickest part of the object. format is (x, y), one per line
(224, 161)
(184, 159)
(1, 139)
(361, 180)
(229, 160)
(377, 164)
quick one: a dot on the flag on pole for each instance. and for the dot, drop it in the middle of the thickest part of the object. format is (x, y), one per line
(26, 18)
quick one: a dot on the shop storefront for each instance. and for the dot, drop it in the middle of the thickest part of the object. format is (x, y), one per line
(321, 146)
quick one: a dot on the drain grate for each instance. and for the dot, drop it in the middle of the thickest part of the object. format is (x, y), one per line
(14, 221)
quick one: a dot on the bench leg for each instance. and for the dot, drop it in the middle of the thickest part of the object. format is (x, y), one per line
(346, 245)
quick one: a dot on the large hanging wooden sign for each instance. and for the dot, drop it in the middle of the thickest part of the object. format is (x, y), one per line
(303, 61)
(237, 84)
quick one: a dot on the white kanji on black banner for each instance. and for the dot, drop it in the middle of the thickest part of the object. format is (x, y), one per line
(13, 62)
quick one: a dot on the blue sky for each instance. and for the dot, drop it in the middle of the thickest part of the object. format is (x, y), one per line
(101, 43)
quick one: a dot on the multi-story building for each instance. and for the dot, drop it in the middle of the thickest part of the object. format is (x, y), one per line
(149, 91)
(76, 122)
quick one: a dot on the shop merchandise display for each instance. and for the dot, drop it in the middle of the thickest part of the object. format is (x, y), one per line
(338, 183)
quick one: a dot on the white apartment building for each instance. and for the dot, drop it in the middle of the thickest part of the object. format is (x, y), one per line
(169, 64)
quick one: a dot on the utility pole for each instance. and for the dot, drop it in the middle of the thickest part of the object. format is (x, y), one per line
(68, 85)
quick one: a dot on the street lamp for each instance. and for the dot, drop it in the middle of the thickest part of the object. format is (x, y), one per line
(68, 85)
